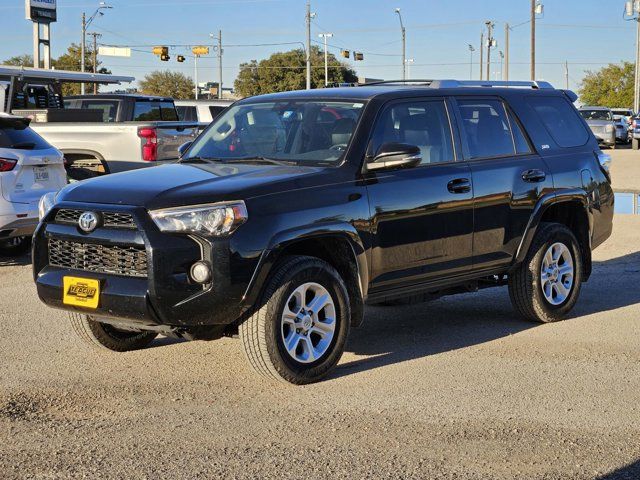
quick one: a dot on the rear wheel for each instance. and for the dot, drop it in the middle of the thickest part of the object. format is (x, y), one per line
(15, 246)
(546, 286)
(299, 333)
(104, 336)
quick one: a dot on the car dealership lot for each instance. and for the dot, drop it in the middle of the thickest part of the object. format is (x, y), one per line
(458, 388)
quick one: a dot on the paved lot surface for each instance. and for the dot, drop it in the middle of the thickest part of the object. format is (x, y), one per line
(625, 168)
(459, 389)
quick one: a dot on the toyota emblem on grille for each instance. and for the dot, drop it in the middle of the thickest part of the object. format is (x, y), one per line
(88, 221)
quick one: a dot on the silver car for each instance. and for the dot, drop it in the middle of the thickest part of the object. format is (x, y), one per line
(600, 120)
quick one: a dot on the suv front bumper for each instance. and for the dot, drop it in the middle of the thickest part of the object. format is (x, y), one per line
(162, 295)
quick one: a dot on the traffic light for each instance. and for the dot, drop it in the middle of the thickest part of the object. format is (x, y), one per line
(345, 53)
(164, 57)
(200, 50)
(180, 58)
(358, 56)
(161, 50)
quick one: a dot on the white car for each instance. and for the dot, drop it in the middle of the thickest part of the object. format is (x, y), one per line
(29, 168)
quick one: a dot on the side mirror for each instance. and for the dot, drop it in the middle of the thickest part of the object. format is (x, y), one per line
(395, 155)
(183, 148)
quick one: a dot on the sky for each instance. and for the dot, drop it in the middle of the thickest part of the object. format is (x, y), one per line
(588, 34)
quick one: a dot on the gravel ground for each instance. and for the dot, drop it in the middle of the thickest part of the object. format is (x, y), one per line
(459, 388)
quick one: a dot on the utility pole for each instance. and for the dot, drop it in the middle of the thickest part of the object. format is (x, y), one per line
(632, 12)
(471, 50)
(82, 47)
(409, 61)
(501, 53)
(489, 25)
(481, 53)
(506, 51)
(326, 57)
(195, 74)
(95, 57)
(404, 45)
(308, 20)
(220, 52)
(566, 74)
(533, 40)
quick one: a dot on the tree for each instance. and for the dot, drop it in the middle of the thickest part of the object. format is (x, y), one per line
(611, 86)
(25, 60)
(287, 71)
(167, 84)
(71, 61)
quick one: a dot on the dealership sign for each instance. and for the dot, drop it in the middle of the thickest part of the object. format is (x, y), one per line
(41, 11)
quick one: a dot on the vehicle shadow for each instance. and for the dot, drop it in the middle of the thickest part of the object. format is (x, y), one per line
(18, 261)
(628, 472)
(393, 335)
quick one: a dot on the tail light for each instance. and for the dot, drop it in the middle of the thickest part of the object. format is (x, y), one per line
(7, 164)
(150, 147)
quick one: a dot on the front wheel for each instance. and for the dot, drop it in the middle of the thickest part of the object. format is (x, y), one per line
(298, 333)
(546, 286)
(104, 336)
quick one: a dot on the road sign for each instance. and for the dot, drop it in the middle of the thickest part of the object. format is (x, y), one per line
(41, 11)
(200, 50)
(114, 51)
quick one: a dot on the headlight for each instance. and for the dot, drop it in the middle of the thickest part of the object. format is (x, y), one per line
(46, 203)
(218, 219)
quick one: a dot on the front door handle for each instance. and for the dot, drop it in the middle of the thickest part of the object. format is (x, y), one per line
(534, 176)
(459, 185)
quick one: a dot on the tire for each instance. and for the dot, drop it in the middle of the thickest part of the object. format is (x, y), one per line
(527, 282)
(635, 143)
(103, 336)
(265, 332)
(15, 246)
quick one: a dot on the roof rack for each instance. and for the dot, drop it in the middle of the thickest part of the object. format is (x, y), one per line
(469, 83)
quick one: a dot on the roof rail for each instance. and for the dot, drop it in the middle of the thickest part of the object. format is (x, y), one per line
(470, 83)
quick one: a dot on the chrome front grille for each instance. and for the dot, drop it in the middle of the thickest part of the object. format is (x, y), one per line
(109, 219)
(130, 261)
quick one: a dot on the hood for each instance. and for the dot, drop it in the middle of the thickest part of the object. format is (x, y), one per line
(189, 184)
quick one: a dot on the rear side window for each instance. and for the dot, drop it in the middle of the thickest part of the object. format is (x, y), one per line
(215, 111)
(21, 139)
(423, 124)
(519, 139)
(486, 128)
(145, 111)
(561, 120)
(187, 113)
(108, 108)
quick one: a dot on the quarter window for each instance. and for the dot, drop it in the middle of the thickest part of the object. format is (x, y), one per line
(486, 128)
(423, 124)
(561, 120)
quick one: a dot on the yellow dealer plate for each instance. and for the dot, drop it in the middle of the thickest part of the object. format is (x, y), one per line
(81, 292)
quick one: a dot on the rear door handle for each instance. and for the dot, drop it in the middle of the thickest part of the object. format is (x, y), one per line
(459, 185)
(534, 176)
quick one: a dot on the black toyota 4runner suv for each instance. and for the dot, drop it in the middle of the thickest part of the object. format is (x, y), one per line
(292, 210)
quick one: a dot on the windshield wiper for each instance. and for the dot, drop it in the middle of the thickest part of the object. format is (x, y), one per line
(258, 159)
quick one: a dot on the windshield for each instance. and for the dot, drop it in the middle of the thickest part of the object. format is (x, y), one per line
(596, 114)
(297, 131)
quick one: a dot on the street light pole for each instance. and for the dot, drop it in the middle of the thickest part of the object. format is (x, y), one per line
(409, 61)
(85, 24)
(533, 40)
(506, 51)
(501, 53)
(95, 57)
(481, 53)
(404, 45)
(308, 21)
(326, 57)
(471, 50)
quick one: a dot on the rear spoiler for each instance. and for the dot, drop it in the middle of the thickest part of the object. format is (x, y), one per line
(11, 121)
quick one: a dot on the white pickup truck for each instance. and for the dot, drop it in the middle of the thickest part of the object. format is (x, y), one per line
(98, 134)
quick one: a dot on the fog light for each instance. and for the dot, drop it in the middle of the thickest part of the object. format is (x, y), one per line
(201, 272)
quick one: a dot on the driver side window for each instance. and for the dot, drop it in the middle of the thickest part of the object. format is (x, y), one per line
(422, 124)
